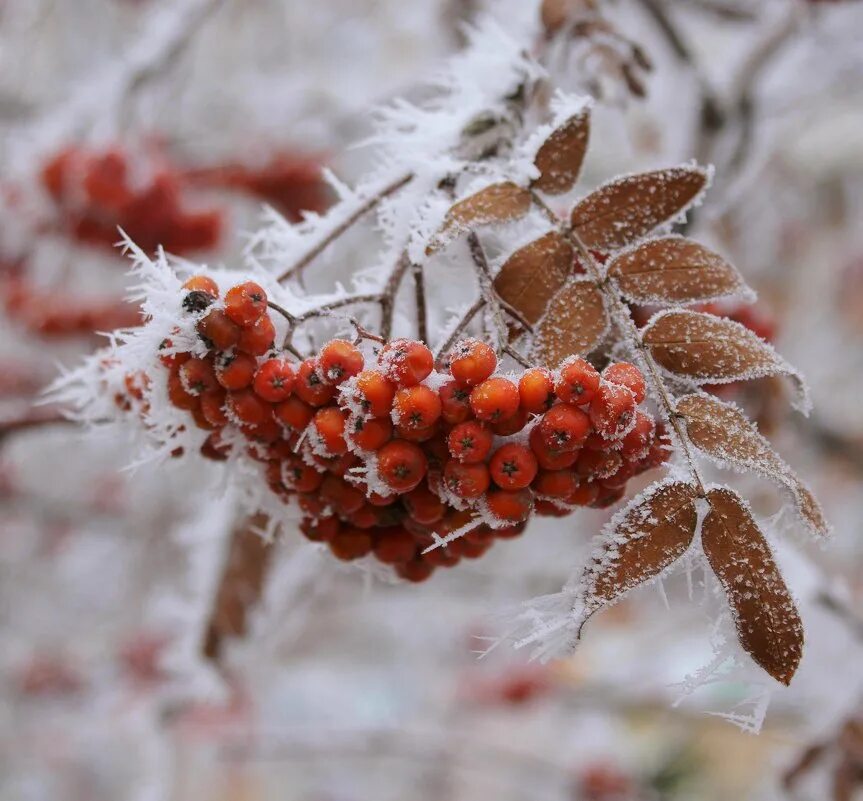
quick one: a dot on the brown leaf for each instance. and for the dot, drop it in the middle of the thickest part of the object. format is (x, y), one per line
(715, 350)
(496, 203)
(574, 324)
(554, 14)
(531, 276)
(643, 539)
(723, 432)
(675, 270)
(768, 626)
(242, 582)
(559, 158)
(624, 210)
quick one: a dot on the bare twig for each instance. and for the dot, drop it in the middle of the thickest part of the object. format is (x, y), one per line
(460, 328)
(367, 205)
(420, 297)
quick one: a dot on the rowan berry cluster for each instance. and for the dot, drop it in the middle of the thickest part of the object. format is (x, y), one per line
(390, 459)
(95, 193)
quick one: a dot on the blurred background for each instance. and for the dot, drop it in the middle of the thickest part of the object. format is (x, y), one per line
(177, 120)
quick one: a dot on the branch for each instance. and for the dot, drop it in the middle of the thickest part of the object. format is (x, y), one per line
(328, 238)
(420, 297)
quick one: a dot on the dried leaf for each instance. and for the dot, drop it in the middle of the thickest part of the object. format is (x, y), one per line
(574, 324)
(496, 203)
(624, 210)
(715, 350)
(643, 539)
(242, 582)
(554, 14)
(531, 276)
(675, 270)
(559, 158)
(723, 432)
(768, 626)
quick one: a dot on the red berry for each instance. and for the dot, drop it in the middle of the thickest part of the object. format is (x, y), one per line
(274, 380)
(300, 477)
(376, 393)
(217, 330)
(629, 376)
(510, 506)
(550, 458)
(424, 506)
(511, 425)
(245, 406)
(564, 427)
(401, 465)
(339, 360)
(612, 410)
(494, 399)
(455, 407)
(416, 434)
(555, 483)
(578, 382)
(246, 303)
(472, 362)
(310, 386)
(394, 546)
(345, 497)
(212, 407)
(583, 495)
(329, 422)
(513, 466)
(371, 434)
(608, 497)
(322, 529)
(470, 442)
(417, 570)
(598, 464)
(177, 393)
(636, 443)
(466, 480)
(235, 370)
(257, 338)
(294, 413)
(351, 543)
(536, 390)
(416, 407)
(198, 376)
(406, 362)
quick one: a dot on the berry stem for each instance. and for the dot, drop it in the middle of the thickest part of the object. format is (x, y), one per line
(361, 210)
(420, 297)
(622, 313)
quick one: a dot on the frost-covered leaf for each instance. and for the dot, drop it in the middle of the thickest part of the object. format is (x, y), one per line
(626, 209)
(715, 350)
(496, 203)
(767, 622)
(574, 324)
(722, 431)
(675, 270)
(531, 276)
(246, 566)
(641, 541)
(559, 158)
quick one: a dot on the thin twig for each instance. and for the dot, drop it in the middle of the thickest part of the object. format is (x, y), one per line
(388, 296)
(420, 297)
(460, 328)
(367, 205)
(622, 312)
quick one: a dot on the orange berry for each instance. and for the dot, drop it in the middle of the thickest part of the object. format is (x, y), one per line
(245, 406)
(198, 376)
(217, 330)
(177, 393)
(375, 393)
(294, 413)
(406, 362)
(321, 529)
(329, 422)
(339, 360)
(555, 483)
(345, 497)
(578, 382)
(416, 570)
(511, 425)
(424, 506)
(202, 283)
(401, 465)
(627, 375)
(257, 338)
(235, 370)
(472, 362)
(300, 477)
(394, 546)
(547, 457)
(455, 406)
(612, 410)
(351, 543)
(513, 466)
(598, 464)
(416, 407)
(310, 386)
(246, 303)
(212, 408)
(469, 442)
(583, 495)
(635, 445)
(494, 399)
(536, 390)
(371, 434)
(466, 480)
(274, 380)
(564, 427)
(510, 506)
